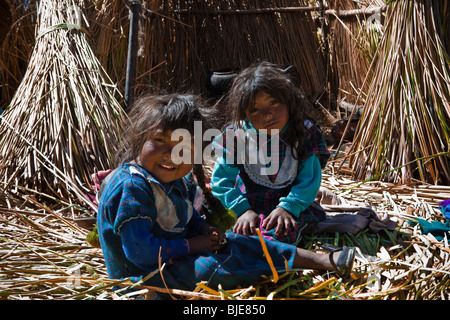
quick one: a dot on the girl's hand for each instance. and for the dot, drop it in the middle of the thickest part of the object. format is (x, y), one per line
(203, 243)
(211, 239)
(215, 233)
(281, 219)
(247, 223)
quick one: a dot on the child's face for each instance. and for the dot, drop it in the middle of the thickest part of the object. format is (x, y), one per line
(267, 113)
(156, 157)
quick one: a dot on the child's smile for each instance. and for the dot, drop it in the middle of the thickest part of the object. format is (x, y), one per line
(156, 158)
(167, 167)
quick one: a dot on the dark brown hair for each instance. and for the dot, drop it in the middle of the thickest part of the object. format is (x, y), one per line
(158, 112)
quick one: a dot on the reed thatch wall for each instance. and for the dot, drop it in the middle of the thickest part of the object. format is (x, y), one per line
(354, 40)
(15, 49)
(179, 40)
(5, 22)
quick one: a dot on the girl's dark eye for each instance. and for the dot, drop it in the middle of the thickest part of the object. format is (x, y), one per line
(159, 140)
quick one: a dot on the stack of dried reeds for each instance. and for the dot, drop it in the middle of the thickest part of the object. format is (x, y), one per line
(403, 135)
(355, 39)
(63, 122)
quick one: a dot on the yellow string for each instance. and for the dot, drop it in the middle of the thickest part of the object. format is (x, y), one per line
(269, 259)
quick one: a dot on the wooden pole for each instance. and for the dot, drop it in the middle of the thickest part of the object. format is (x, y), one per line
(131, 58)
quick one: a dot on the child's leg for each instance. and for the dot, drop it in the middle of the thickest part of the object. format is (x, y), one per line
(339, 261)
(306, 259)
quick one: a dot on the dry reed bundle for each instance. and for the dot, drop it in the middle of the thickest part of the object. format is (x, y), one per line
(403, 135)
(64, 119)
(354, 44)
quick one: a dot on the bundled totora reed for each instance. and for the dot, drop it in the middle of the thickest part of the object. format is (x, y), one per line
(63, 122)
(404, 132)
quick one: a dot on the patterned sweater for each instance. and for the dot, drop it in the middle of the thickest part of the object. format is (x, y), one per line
(241, 186)
(138, 215)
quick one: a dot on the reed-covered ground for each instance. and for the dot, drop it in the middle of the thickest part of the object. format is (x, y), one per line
(63, 115)
(44, 254)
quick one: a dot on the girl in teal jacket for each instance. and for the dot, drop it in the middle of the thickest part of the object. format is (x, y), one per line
(265, 101)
